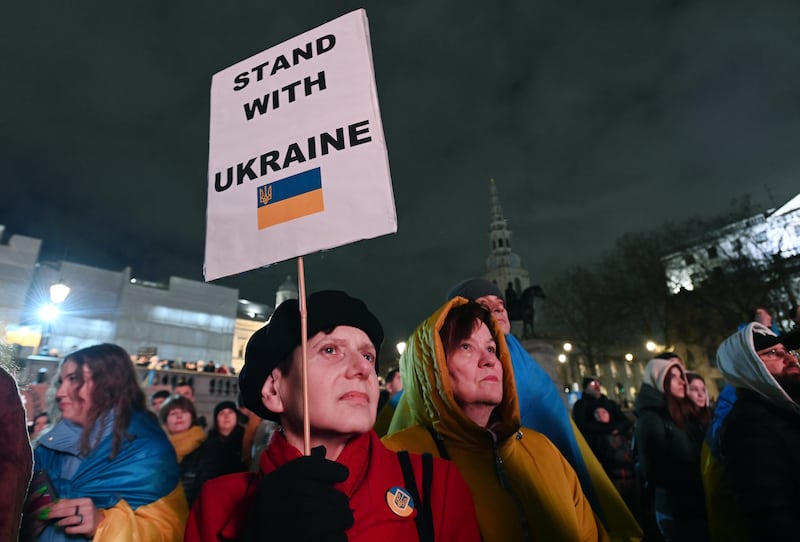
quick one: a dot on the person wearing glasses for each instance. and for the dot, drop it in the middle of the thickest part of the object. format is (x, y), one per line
(760, 436)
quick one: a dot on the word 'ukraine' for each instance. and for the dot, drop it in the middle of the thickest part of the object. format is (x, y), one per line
(296, 153)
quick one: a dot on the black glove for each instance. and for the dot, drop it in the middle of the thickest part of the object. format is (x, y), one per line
(297, 502)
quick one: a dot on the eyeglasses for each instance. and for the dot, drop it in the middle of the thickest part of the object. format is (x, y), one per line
(776, 354)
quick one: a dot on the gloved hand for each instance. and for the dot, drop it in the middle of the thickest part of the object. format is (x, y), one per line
(297, 502)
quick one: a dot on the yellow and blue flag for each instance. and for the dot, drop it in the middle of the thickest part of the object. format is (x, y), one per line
(290, 198)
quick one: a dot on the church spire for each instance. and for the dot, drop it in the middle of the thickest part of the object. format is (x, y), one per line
(503, 266)
(500, 254)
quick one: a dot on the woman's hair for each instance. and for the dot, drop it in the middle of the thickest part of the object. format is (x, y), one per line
(690, 377)
(116, 389)
(680, 409)
(175, 402)
(461, 321)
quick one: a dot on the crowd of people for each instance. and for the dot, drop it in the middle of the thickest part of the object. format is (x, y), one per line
(200, 366)
(469, 440)
(693, 471)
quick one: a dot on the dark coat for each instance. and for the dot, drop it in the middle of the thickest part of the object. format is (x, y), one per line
(233, 441)
(583, 414)
(759, 444)
(669, 456)
(610, 442)
(209, 460)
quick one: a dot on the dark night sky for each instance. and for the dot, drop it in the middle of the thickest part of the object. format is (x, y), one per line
(595, 118)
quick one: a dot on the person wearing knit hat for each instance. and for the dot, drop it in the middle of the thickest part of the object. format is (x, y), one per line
(669, 436)
(542, 409)
(718, 493)
(351, 487)
(759, 438)
(226, 429)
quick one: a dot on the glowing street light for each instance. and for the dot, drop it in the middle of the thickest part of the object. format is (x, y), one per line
(628, 357)
(651, 346)
(562, 358)
(567, 347)
(59, 292)
(401, 347)
(49, 312)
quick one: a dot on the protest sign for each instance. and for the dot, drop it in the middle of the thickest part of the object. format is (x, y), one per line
(297, 156)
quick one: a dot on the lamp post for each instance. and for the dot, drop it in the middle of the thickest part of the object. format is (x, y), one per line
(573, 372)
(565, 370)
(49, 312)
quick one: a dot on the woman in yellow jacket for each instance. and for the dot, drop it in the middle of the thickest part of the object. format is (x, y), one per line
(459, 386)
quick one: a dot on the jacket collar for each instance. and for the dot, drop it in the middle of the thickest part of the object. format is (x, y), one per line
(65, 436)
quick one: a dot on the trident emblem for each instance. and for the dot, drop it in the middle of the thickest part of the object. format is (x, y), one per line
(265, 196)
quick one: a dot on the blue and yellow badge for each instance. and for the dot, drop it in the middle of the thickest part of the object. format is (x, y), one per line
(400, 501)
(290, 198)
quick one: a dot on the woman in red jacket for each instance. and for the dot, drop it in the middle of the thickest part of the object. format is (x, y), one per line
(350, 487)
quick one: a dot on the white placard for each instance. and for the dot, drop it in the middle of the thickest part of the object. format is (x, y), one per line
(297, 157)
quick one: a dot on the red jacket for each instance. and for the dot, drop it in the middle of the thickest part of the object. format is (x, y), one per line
(220, 513)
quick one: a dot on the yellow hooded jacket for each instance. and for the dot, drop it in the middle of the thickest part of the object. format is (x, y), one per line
(522, 486)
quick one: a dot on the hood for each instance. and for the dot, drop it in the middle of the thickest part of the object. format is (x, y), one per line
(656, 371)
(428, 390)
(742, 368)
(649, 398)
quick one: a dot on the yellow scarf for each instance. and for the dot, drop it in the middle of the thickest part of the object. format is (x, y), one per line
(187, 441)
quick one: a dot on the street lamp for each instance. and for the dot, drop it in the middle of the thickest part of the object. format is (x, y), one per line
(59, 292)
(651, 346)
(628, 357)
(49, 312)
(567, 347)
(565, 371)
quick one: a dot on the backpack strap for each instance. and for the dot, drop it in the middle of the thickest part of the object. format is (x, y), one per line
(427, 481)
(437, 439)
(424, 518)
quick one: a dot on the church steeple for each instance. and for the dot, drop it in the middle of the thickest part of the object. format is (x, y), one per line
(503, 267)
(500, 254)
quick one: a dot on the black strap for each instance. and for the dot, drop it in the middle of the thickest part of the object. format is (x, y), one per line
(437, 439)
(427, 482)
(424, 518)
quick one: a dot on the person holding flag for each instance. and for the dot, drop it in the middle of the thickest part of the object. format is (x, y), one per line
(350, 487)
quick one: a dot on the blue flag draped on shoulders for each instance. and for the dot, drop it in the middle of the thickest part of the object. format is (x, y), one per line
(144, 470)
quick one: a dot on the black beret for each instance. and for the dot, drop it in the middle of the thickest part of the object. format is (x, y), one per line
(276, 341)
(472, 289)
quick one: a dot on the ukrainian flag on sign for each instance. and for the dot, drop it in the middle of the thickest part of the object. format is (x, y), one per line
(290, 198)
